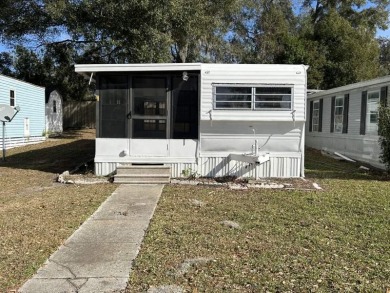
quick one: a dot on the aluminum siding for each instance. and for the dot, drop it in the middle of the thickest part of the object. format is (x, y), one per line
(31, 100)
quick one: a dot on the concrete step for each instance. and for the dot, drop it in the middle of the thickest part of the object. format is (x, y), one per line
(142, 174)
(135, 169)
(139, 179)
(140, 182)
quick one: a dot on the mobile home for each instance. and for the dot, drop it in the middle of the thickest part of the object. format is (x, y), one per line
(244, 120)
(28, 126)
(345, 119)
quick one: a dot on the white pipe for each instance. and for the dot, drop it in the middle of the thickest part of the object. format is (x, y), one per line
(90, 79)
(256, 147)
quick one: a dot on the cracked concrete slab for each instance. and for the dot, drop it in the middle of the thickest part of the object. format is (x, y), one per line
(114, 231)
(120, 211)
(104, 285)
(48, 286)
(99, 255)
(88, 260)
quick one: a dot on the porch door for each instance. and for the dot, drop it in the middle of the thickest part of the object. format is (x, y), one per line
(149, 116)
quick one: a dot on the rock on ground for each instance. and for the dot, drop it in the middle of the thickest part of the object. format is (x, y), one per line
(166, 289)
(231, 224)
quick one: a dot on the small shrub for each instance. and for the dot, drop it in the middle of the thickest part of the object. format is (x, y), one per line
(189, 173)
(384, 135)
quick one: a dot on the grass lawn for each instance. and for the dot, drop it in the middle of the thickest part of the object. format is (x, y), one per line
(36, 214)
(335, 240)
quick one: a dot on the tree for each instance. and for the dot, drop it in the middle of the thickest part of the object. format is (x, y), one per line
(352, 54)
(109, 31)
(6, 63)
(345, 34)
(384, 58)
(197, 29)
(261, 30)
(336, 38)
(28, 66)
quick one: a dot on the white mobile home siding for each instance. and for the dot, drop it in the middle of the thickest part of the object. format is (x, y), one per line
(28, 126)
(364, 148)
(253, 74)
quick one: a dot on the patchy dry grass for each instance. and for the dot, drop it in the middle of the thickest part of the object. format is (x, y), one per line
(336, 240)
(36, 214)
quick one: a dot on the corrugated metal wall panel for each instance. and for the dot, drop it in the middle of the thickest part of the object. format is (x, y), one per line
(221, 166)
(178, 169)
(103, 169)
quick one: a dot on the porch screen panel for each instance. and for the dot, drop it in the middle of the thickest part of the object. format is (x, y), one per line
(113, 100)
(185, 109)
(149, 107)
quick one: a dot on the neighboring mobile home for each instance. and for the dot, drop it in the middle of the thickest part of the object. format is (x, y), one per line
(210, 119)
(345, 119)
(28, 126)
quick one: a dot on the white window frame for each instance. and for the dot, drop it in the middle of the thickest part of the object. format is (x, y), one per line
(253, 96)
(315, 116)
(338, 120)
(372, 111)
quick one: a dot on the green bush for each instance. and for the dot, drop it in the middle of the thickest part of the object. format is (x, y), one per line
(384, 135)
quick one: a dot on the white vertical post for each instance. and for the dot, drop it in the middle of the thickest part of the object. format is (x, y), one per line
(256, 147)
(3, 141)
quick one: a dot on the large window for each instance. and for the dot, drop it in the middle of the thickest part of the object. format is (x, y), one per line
(252, 98)
(338, 114)
(316, 116)
(372, 112)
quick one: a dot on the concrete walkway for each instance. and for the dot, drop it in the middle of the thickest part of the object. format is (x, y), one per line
(98, 256)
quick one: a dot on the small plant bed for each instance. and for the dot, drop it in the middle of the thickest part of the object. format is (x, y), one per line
(207, 239)
(243, 183)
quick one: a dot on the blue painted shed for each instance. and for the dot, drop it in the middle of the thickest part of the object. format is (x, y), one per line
(28, 126)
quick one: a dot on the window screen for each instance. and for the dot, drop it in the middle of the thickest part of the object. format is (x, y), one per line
(113, 94)
(253, 98)
(276, 98)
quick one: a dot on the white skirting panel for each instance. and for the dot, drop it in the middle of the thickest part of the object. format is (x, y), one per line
(277, 166)
(105, 168)
(12, 142)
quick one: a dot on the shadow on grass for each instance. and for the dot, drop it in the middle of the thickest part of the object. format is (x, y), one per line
(69, 134)
(52, 159)
(320, 166)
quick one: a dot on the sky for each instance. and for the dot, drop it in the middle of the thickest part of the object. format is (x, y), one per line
(382, 33)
